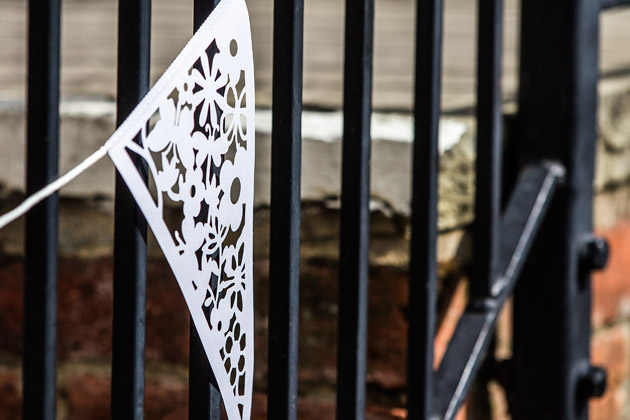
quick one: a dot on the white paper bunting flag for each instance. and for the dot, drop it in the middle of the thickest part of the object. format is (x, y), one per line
(195, 131)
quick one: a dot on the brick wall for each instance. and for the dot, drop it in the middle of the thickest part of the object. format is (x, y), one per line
(611, 326)
(85, 327)
(85, 323)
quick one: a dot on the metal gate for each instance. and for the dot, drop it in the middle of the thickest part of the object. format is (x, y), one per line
(534, 242)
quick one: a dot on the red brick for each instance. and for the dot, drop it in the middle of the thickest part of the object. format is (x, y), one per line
(86, 311)
(321, 407)
(259, 406)
(611, 349)
(387, 326)
(85, 308)
(10, 397)
(168, 319)
(387, 329)
(611, 287)
(445, 331)
(88, 397)
(318, 321)
(11, 297)
(316, 408)
(261, 309)
(166, 400)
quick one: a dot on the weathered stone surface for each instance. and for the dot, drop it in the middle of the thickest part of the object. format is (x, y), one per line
(86, 124)
(89, 50)
(456, 183)
(613, 152)
(390, 161)
(610, 207)
(86, 231)
(84, 127)
(86, 227)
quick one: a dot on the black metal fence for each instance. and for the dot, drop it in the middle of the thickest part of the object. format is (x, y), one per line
(540, 235)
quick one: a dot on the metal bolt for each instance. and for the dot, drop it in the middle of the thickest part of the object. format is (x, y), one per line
(594, 253)
(593, 382)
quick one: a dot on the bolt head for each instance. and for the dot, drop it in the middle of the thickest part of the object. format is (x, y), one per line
(595, 252)
(593, 382)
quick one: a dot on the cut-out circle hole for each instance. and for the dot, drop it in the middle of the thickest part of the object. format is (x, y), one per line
(233, 48)
(235, 190)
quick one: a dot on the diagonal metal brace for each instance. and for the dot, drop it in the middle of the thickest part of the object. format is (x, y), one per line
(521, 221)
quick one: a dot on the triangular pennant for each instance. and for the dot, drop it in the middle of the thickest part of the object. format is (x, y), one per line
(195, 131)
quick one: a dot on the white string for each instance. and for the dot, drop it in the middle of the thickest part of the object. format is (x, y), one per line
(129, 125)
(54, 186)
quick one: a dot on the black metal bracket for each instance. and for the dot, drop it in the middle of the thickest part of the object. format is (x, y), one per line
(468, 346)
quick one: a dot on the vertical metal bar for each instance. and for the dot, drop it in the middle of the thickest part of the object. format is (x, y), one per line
(204, 398)
(558, 104)
(130, 229)
(355, 210)
(423, 256)
(201, 10)
(284, 253)
(40, 256)
(489, 147)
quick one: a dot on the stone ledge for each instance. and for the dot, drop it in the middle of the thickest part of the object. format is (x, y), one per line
(85, 125)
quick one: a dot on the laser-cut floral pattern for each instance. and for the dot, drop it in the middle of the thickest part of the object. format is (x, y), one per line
(196, 137)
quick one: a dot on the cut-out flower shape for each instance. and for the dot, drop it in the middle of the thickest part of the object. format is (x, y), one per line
(234, 121)
(207, 86)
